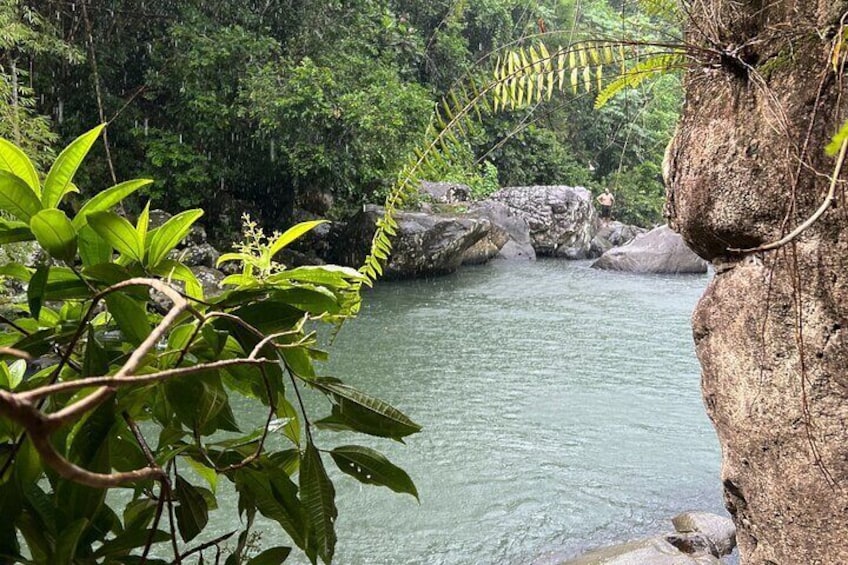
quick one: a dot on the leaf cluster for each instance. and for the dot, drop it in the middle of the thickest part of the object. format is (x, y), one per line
(120, 372)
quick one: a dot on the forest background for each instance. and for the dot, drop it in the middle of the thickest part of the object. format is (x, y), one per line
(257, 106)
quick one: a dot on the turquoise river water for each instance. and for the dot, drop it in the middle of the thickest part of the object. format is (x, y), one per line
(561, 411)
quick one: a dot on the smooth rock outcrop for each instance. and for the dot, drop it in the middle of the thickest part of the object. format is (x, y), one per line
(700, 538)
(562, 219)
(651, 551)
(508, 238)
(661, 250)
(613, 234)
(426, 244)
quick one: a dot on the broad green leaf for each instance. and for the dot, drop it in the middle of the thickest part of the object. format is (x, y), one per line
(11, 376)
(16, 271)
(371, 467)
(170, 269)
(118, 232)
(328, 275)
(55, 234)
(273, 556)
(63, 283)
(105, 200)
(58, 181)
(207, 474)
(169, 235)
(93, 249)
(318, 496)
(13, 230)
(275, 496)
(292, 234)
(66, 543)
(143, 222)
(192, 512)
(15, 161)
(36, 290)
(130, 539)
(365, 413)
(286, 412)
(17, 198)
(130, 316)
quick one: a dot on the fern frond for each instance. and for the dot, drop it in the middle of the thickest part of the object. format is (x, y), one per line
(645, 69)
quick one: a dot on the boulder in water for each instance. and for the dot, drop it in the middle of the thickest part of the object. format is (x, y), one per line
(508, 238)
(561, 218)
(425, 244)
(661, 250)
(720, 530)
(651, 551)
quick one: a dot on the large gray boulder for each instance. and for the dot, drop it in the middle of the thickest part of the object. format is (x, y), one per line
(720, 530)
(425, 244)
(661, 250)
(562, 219)
(613, 234)
(508, 238)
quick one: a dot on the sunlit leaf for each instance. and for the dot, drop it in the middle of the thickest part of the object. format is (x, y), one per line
(17, 198)
(170, 234)
(58, 181)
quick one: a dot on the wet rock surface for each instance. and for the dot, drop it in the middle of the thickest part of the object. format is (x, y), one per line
(659, 251)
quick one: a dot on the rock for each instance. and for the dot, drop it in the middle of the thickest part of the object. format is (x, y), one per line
(196, 235)
(315, 201)
(210, 280)
(659, 251)
(196, 255)
(156, 218)
(446, 192)
(718, 529)
(509, 234)
(561, 218)
(426, 244)
(613, 234)
(651, 551)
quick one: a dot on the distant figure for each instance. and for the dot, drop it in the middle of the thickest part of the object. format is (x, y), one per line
(606, 200)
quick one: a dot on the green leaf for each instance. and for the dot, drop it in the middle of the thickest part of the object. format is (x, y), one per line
(192, 512)
(142, 223)
(170, 269)
(371, 467)
(66, 544)
(365, 413)
(318, 496)
(836, 142)
(15, 373)
(15, 161)
(130, 539)
(273, 556)
(104, 201)
(118, 232)
(292, 234)
(130, 316)
(36, 289)
(169, 235)
(93, 249)
(207, 474)
(17, 198)
(275, 496)
(12, 231)
(58, 181)
(55, 233)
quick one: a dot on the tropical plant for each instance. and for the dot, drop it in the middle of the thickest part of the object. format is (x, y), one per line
(119, 372)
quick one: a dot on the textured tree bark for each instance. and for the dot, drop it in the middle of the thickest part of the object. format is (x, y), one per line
(746, 166)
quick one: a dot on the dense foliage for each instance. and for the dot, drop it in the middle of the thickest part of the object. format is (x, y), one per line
(118, 372)
(260, 105)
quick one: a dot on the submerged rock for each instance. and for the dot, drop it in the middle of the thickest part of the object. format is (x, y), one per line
(562, 219)
(651, 551)
(661, 250)
(701, 538)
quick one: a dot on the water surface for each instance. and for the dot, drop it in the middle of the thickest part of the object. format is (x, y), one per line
(560, 405)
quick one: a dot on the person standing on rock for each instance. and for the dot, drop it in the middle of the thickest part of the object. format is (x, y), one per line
(606, 200)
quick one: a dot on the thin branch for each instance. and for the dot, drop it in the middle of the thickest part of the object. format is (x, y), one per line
(208, 544)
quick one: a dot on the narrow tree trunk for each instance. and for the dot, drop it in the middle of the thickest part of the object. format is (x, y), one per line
(746, 167)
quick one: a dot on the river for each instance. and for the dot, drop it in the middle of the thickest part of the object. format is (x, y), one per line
(561, 411)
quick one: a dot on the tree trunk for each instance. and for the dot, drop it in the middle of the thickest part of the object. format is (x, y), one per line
(746, 166)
